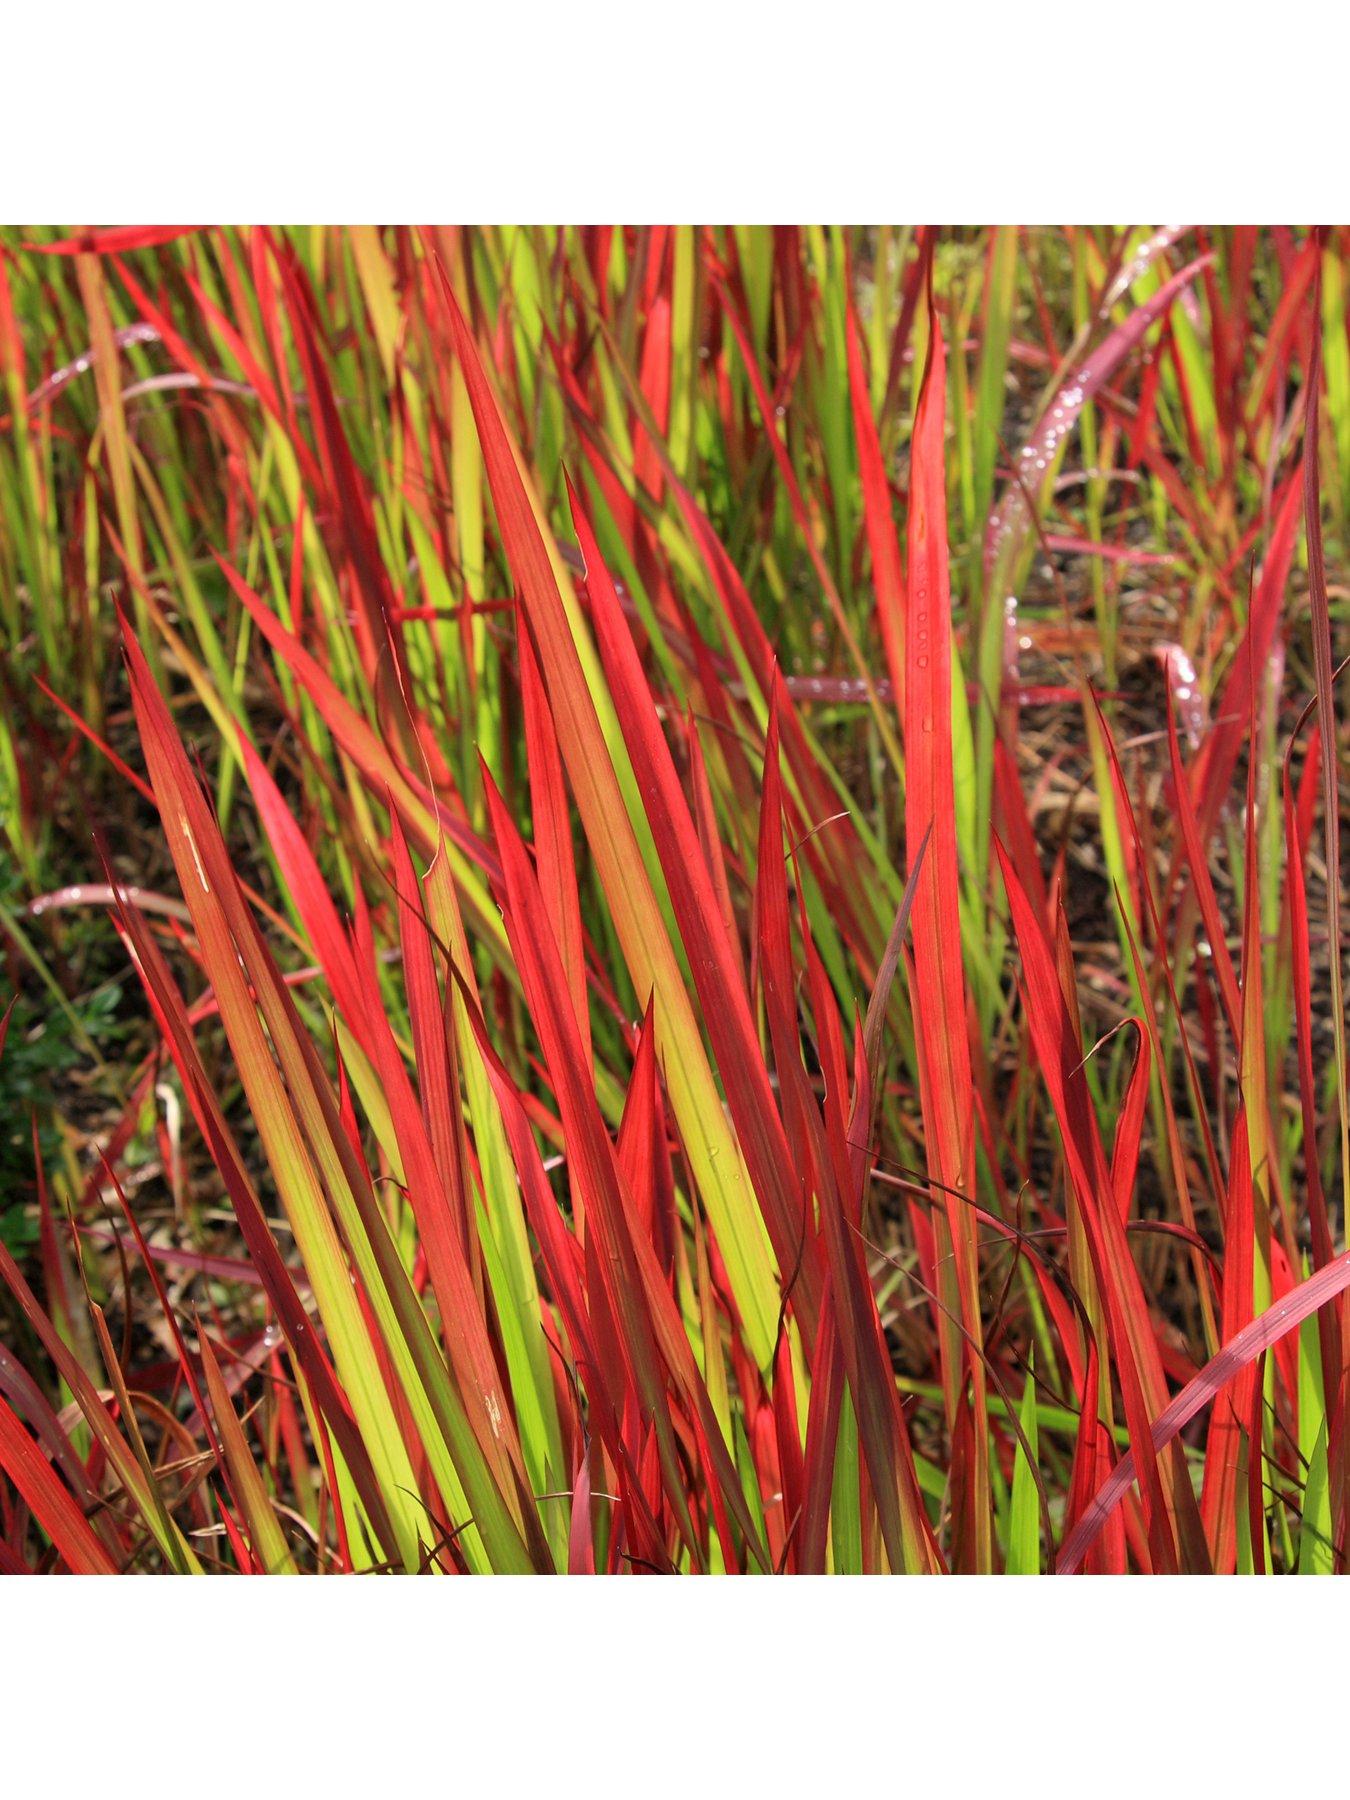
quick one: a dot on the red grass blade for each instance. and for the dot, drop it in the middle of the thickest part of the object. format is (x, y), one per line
(887, 574)
(937, 980)
(113, 240)
(1299, 1304)
(52, 1506)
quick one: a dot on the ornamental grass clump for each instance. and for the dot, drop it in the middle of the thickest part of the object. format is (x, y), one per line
(687, 884)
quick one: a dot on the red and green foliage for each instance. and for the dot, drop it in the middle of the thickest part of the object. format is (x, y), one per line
(719, 856)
